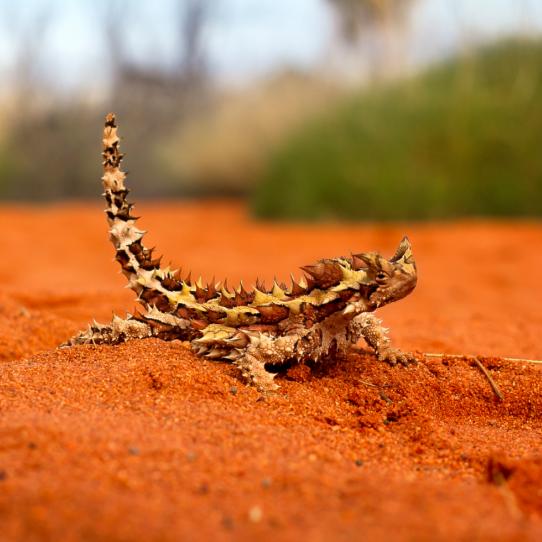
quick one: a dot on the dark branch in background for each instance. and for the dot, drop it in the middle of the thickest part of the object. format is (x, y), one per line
(193, 15)
(155, 95)
(188, 67)
(376, 31)
(356, 16)
(114, 17)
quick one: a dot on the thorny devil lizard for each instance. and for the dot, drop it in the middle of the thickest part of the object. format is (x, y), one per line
(258, 330)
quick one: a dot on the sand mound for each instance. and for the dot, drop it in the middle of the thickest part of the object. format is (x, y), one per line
(145, 441)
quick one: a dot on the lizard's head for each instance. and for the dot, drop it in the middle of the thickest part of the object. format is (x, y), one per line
(389, 280)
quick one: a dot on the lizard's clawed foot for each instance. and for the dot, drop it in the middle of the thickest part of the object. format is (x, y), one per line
(393, 356)
(254, 372)
(268, 387)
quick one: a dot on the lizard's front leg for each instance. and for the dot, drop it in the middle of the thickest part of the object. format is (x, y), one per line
(369, 327)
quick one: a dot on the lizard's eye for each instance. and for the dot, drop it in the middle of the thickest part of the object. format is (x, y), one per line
(381, 277)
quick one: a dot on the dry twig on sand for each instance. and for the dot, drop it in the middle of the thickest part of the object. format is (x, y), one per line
(469, 356)
(492, 382)
(479, 364)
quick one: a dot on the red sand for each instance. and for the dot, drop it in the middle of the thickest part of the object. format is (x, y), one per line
(144, 441)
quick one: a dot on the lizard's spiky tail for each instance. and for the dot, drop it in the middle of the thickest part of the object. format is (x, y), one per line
(143, 272)
(137, 262)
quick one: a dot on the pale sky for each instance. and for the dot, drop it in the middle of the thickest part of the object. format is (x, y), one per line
(248, 38)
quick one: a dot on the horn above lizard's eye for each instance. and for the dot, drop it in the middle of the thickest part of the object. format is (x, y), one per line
(404, 245)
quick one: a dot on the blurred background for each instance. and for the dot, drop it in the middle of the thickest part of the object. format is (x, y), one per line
(308, 109)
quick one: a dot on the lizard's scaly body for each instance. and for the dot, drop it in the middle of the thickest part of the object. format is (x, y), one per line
(321, 315)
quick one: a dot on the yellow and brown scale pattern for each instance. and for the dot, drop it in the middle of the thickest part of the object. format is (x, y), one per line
(323, 313)
(328, 286)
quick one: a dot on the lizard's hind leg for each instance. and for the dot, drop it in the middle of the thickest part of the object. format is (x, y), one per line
(265, 350)
(250, 351)
(152, 323)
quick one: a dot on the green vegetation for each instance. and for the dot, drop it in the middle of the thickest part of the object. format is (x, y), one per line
(462, 139)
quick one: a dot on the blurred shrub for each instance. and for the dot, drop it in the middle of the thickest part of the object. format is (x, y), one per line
(222, 150)
(54, 152)
(461, 139)
(176, 144)
(50, 154)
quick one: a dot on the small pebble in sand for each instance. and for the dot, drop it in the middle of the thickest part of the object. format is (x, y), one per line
(203, 489)
(191, 456)
(255, 514)
(227, 522)
(233, 390)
